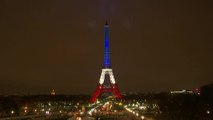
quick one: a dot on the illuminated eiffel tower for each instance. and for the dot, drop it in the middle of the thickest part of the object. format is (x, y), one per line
(105, 86)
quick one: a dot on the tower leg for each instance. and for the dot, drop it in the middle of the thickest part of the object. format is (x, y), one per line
(96, 93)
(116, 91)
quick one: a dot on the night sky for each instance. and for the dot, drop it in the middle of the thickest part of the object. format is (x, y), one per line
(156, 45)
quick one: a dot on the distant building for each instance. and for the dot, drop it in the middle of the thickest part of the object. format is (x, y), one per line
(52, 92)
(182, 92)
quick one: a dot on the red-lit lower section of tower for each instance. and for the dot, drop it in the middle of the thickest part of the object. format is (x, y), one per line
(101, 89)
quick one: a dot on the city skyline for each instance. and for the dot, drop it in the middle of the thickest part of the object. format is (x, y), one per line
(155, 45)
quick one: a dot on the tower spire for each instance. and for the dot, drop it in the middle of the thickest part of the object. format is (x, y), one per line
(106, 47)
(106, 23)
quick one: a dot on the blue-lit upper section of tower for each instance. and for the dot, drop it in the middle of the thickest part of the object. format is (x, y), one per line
(106, 47)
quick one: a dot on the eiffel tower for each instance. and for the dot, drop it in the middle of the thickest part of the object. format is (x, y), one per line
(106, 85)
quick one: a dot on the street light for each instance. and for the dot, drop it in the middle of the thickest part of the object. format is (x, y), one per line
(208, 112)
(12, 112)
(142, 117)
